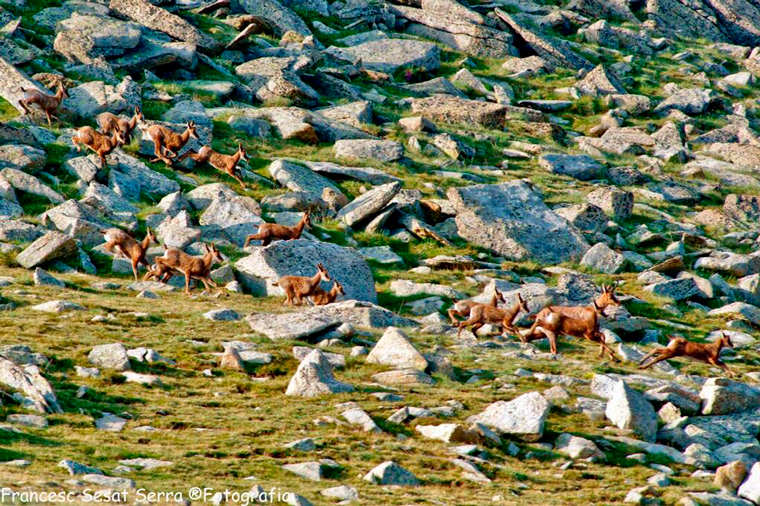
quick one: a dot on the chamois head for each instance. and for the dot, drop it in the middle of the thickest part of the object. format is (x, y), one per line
(522, 304)
(151, 236)
(243, 154)
(499, 296)
(119, 137)
(138, 114)
(62, 90)
(608, 297)
(726, 339)
(307, 219)
(338, 287)
(323, 273)
(216, 255)
(191, 129)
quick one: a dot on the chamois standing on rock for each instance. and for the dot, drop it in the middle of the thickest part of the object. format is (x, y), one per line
(463, 307)
(109, 122)
(270, 231)
(551, 322)
(481, 314)
(131, 249)
(100, 143)
(321, 298)
(48, 104)
(168, 142)
(680, 347)
(224, 163)
(298, 287)
(192, 267)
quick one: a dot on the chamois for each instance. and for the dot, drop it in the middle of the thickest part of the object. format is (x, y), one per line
(100, 143)
(168, 142)
(320, 297)
(131, 249)
(298, 287)
(270, 231)
(680, 347)
(221, 162)
(48, 104)
(481, 314)
(109, 122)
(463, 307)
(192, 267)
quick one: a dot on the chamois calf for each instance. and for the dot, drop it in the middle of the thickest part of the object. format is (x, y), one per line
(298, 287)
(131, 249)
(100, 143)
(224, 163)
(321, 298)
(680, 347)
(463, 307)
(109, 122)
(192, 267)
(48, 104)
(482, 314)
(270, 231)
(584, 322)
(168, 142)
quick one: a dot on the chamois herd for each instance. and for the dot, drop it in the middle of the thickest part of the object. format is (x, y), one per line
(550, 322)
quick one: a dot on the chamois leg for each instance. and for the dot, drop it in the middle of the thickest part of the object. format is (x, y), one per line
(452, 312)
(650, 355)
(50, 123)
(657, 360)
(475, 328)
(464, 324)
(719, 363)
(237, 177)
(187, 283)
(134, 267)
(23, 104)
(254, 237)
(192, 154)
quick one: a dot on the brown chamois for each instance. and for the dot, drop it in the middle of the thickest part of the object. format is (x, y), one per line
(130, 248)
(680, 347)
(110, 122)
(168, 142)
(100, 143)
(321, 298)
(463, 307)
(221, 162)
(551, 323)
(298, 287)
(270, 231)
(191, 267)
(481, 314)
(48, 104)
(606, 298)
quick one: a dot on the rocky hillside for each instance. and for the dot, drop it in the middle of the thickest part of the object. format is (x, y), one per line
(543, 149)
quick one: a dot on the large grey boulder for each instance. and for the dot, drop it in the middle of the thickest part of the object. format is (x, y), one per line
(237, 217)
(602, 258)
(200, 198)
(380, 150)
(297, 178)
(314, 377)
(24, 182)
(581, 167)
(282, 17)
(84, 38)
(369, 204)
(628, 409)
(131, 178)
(691, 101)
(390, 473)
(29, 382)
(512, 220)
(675, 289)
(731, 263)
(577, 447)
(721, 396)
(110, 356)
(161, 20)
(299, 258)
(307, 323)
(22, 157)
(51, 246)
(750, 488)
(604, 9)
(748, 311)
(388, 55)
(396, 350)
(523, 417)
(339, 172)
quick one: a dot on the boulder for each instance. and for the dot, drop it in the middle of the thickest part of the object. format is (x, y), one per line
(49, 247)
(22, 157)
(161, 20)
(730, 476)
(394, 349)
(616, 203)
(742, 207)
(748, 311)
(279, 15)
(390, 473)
(297, 178)
(27, 183)
(380, 150)
(369, 204)
(28, 381)
(309, 322)
(523, 417)
(450, 109)
(721, 396)
(314, 377)
(110, 356)
(237, 217)
(388, 55)
(340, 172)
(577, 447)
(692, 101)
(581, 167)
(750, 489)
(58, 307)
(602, 258)
(628, 409)
(403, 377)
(675, 289)
(511, 220)
(299, 258)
